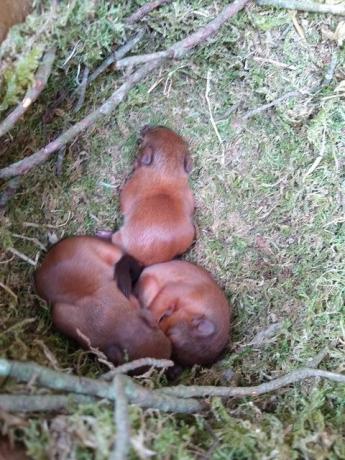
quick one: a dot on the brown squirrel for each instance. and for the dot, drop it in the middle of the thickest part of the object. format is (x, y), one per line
(190, 309)
(156, 201)
(87, 280)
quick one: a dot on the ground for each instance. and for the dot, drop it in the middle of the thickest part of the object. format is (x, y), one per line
(270, 212)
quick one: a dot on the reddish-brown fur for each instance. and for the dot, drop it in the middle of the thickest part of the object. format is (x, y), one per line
(77, 277)
(190, 309)
(157, 202)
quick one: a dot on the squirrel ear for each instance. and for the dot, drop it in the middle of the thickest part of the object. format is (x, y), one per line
(203, 327)
(146, 157)
(188, 163)
(114, 354)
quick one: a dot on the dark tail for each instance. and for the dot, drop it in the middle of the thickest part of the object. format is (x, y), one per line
(126, 274)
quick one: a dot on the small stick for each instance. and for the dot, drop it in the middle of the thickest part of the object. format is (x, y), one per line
(136, 364)
(22, 323)
(22, 256)
(32, 94)
(82, 89)
(34, 240)
(121, 418)
(145, 9)
(320, 356)
(213, 123)
(101, 357)
(142, 59)
(264, 107)
(302, 5)
(9, 291)
(42, 403)
(176, 51)
(32, 224)
(183, 391)
(117, 55)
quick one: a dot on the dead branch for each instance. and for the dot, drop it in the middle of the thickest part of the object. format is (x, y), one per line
(42, 403)
(32, 94)
(123, 436)
(183, 391)
(145, 9)
(176, 51)
(136, 364)
(117, 55)
(136, 394)
(273, 103)
(142, 59)
(302, 5)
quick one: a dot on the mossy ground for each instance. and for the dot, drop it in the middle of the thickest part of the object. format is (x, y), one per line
(270, 213)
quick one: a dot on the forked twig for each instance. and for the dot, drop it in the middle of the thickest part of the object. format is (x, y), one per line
(145, 9)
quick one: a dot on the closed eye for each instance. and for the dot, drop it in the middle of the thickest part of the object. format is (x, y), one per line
(166, 314)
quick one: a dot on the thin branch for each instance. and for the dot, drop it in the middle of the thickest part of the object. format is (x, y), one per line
(273, 103)
(45, 377)
(302, 5)
(183, 391)
(145, 9)
(213, 123)
(176, 51)
(22, 256)
(42, 403)
(82, 89)
(136, 364)
(142, 59)
(123, 435)
(117, 55)
(32, 94)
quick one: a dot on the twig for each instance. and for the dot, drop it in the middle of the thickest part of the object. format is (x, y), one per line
(320, 356)
(9, 191)
(123, 437)
(183, 391)
(34, 240)
(117, 55)
(136, 394)
(22, 256)
(176, 51)
(136, 364)
(145, 9)
(213, 123)
(32, 94)
(41, 403)
(15, 326)
(101, 357)
(82, 89)
(273, 103)
(32, 224)
(142, 59)
(301, 5)
(264, 336)
(9, 291)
